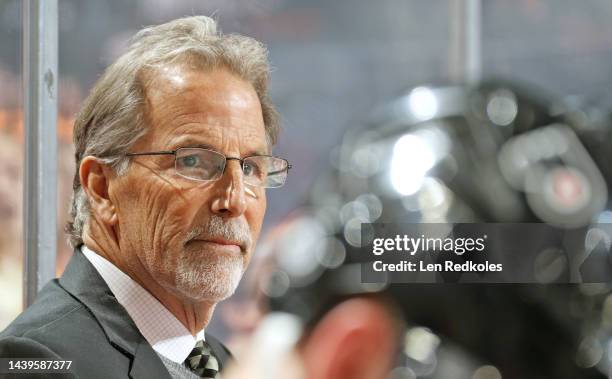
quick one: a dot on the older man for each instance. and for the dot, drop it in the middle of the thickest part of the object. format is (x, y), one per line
(173, 156)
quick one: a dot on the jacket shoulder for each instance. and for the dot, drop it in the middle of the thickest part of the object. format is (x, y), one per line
(56, 320)
(22, 347)
(58, 326)
(52, 305)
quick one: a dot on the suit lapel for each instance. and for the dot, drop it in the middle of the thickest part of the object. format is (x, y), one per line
(220, 352)
(84, 282)
(147, 364)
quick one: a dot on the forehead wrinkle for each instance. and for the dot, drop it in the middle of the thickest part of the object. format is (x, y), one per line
(207, 125)
(218, 141)
(215, 116)
(209, 119)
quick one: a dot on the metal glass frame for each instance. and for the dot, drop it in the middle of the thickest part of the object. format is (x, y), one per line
(241, 160)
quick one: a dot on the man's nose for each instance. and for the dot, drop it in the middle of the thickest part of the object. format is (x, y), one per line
(230, 198)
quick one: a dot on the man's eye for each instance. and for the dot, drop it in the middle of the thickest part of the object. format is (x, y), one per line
(250, 169)
(190, 161)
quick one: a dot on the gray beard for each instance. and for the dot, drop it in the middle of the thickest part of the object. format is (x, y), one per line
(206, 276)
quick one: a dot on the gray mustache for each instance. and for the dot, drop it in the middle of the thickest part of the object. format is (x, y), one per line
(217, 227)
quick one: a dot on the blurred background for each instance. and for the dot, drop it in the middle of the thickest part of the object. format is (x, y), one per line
(335, 62)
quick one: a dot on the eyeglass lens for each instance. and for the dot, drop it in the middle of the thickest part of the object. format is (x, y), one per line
(205, 165)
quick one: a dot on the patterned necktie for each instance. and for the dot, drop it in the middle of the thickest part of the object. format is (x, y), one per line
(202, 361)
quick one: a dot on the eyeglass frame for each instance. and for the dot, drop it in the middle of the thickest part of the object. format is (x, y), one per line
(241, 160)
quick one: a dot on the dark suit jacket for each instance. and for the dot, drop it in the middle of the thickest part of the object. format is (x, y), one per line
(77, 318)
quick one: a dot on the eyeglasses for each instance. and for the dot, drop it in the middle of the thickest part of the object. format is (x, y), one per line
(207, 165)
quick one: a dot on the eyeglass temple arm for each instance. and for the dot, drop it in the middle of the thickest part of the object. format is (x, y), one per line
(279, 171)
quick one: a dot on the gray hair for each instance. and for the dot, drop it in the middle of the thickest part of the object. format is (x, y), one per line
(112, 120)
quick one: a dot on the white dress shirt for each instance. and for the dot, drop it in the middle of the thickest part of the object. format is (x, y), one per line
(166, 334)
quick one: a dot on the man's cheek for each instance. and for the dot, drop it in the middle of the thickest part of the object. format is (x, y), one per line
(178, 220)
(262, 213)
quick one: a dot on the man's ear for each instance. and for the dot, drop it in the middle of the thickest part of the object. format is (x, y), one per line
(95, 177)
(355, 340)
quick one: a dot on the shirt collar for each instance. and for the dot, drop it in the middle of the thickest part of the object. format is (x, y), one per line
(164, 332)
